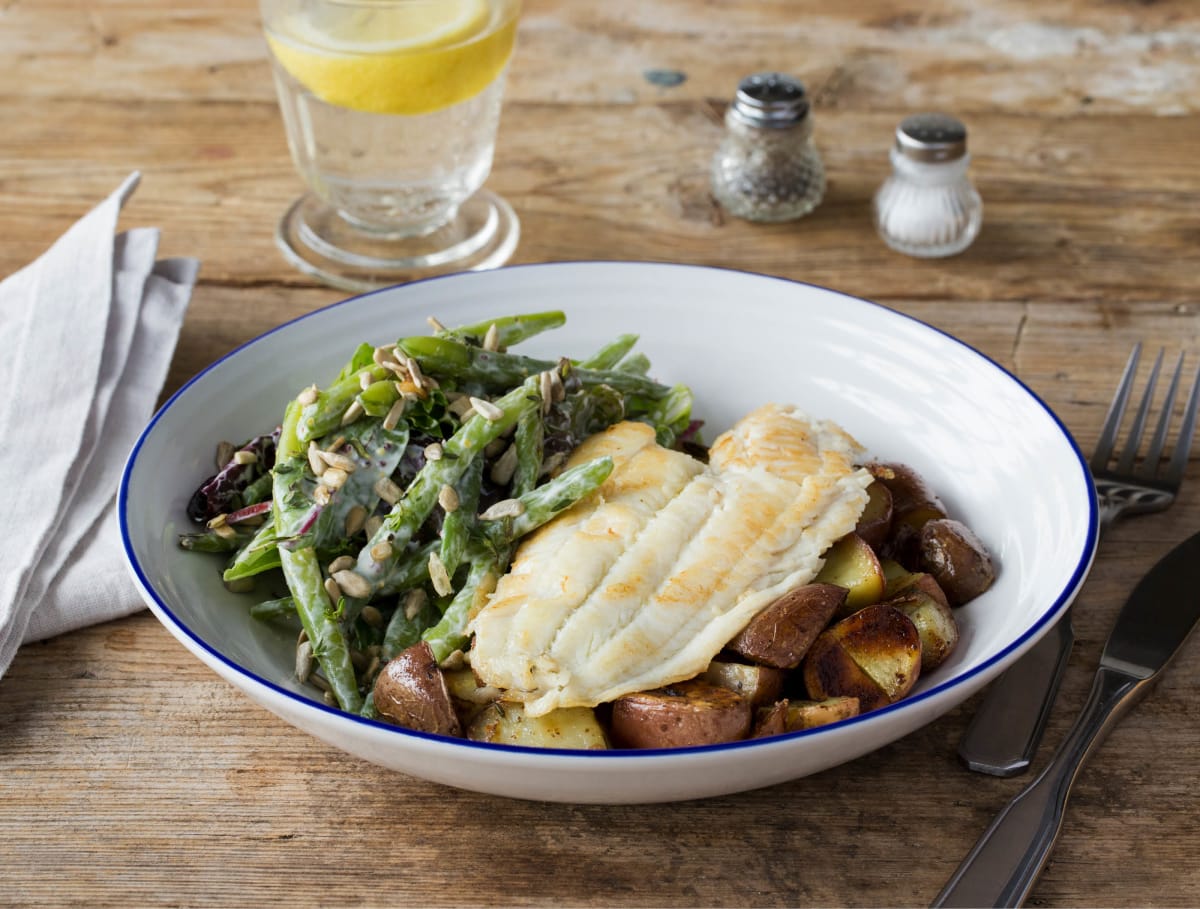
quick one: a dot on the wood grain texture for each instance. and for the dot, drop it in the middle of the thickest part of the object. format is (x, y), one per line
(131, 775)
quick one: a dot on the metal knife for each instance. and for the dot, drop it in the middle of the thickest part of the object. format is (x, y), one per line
(1162, 610)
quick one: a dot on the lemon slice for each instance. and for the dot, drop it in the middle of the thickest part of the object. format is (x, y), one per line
(408, 59)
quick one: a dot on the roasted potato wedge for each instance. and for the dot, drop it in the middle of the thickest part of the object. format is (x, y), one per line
(508, 724)
(911, 495)
(873, 655)
(908, 581)
(958, 561)
(466, 693)
(790, 716)
(875, 522)
(781, 634)
(935, 623)
(688, 713)
(852, 564)
(410, 691)
(757, 684)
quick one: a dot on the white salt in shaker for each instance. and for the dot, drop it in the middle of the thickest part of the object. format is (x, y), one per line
(767, 167)
(928, 207)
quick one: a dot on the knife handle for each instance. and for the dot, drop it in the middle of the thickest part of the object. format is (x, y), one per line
(1001, 868)
(1007, 728)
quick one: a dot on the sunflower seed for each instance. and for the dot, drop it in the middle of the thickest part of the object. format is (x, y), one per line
(414, 603)
(365, 379)
(341, 563)
(435, 324)
(439, 575)
(372, 616)
(433, 452)
(504, 467)
(381, 551)
(340, 461)
(461, 408)
(493, 448)
(225, 532)
(394, 415)
(387, 490)
(552, 464)
(356, 517)
(315, 462)
(334, 478)
(332, 590)
(245, 457)
(353, 583)
(353, 412)
(491, 340)
(358, 659)
(320, 682)
(448, 499)
(557, 390)
(487, 409)
(328, 698)
(454, 660)
(372, 667)
(373, 524)
(546, 387)
(304, 661)
(217, 521)
(505, 508)
(308, 396)
(322, 494)
(225, 452)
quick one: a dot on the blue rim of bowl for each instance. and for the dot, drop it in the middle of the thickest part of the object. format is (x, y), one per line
(1064, 597)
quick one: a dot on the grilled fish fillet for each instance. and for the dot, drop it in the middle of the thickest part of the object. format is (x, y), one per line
(643, 583)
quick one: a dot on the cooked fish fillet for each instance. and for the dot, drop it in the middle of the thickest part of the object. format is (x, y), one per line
(642, 584)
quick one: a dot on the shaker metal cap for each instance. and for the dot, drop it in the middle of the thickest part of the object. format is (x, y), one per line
(931, 138)
(774, 100)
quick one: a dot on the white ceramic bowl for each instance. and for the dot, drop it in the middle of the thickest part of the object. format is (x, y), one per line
(998, 457)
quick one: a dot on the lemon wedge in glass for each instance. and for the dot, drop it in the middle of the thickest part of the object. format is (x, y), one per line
(409, 58)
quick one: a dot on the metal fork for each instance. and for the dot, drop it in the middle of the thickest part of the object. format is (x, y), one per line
(1007, 728)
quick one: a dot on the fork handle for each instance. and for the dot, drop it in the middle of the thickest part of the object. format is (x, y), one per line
(1001, 868)
(1007, 728)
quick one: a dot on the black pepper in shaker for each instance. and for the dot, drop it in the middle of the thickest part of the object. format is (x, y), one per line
(767, 167)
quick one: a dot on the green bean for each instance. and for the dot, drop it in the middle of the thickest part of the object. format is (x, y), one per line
(363, 356)
(274, 610)
(458, 523)
(407, 570)
(325, 414)
(528, 439)
(410, 512)
(637, 363)
(403, 630)
(212, 541)
(320, 622)
(510, 330)
(671, 415)
(545, 502)
(442, 356)
(288, 445)
(610, 354)
(449, 634)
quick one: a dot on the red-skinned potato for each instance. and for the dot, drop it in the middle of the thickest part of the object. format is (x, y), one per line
(411, 692)
(913, 503)
(873, 655)
(852, 564)
(935, 623)
(688, 713)
(781, 634)
(958, 561)
(791, 716)
(757, 684)
(875, 522)
(909, 581)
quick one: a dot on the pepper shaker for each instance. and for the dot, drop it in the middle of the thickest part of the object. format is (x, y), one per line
(767, 167)
(928, 208)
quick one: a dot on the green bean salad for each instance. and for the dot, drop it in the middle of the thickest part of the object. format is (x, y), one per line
(384, 506)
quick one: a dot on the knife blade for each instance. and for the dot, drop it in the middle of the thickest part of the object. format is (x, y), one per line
(1151, 627)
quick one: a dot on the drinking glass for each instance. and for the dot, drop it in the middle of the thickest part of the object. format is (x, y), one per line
(390, 109)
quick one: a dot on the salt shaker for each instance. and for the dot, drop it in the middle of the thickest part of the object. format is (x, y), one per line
(767, 167)
(928, 207)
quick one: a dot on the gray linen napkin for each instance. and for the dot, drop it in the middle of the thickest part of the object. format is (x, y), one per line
(90, 328)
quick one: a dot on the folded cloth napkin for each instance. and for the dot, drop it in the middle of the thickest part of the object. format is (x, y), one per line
(90, 329)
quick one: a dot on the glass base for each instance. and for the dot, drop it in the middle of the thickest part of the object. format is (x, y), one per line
(320, 242)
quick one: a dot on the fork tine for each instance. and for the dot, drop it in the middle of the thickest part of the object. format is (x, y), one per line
(1129, 453)
(1116, 410)
(1154, 452)
(1183, 446)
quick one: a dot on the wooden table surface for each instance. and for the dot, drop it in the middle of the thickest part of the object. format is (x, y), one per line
(131, 775)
